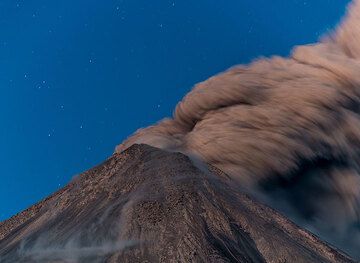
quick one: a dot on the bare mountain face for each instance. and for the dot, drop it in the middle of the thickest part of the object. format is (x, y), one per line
(150, 205)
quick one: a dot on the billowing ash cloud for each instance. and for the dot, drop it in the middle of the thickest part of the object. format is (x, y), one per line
(287, 129)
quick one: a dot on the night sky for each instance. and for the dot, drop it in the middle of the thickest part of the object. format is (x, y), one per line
(78, 77)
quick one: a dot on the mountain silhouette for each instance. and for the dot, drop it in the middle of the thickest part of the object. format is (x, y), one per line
(149, 205)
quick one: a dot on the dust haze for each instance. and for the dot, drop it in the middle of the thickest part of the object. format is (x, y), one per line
(287, 129)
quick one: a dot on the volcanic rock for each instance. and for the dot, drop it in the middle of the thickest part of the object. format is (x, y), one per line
(150, 205)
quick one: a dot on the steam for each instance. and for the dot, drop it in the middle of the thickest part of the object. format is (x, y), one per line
(72, 251)
(287, 129)
(92, 241)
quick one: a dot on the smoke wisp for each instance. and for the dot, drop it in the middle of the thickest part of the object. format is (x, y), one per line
(72, 252)
(287, 129)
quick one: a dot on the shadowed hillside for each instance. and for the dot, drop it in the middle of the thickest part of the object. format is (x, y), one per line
(149, 205)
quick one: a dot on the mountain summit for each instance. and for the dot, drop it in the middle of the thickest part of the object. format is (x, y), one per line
(150, 205)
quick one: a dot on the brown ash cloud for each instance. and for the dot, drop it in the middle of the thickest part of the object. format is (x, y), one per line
(286, 129)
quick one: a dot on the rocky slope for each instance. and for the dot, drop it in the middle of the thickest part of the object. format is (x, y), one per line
(148, 205)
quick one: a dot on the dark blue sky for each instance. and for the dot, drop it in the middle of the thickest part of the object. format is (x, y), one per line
(77, 77)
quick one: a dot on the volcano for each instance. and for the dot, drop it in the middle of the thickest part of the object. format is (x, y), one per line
(149, 205)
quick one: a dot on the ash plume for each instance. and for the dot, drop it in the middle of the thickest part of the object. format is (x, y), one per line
(286, 129)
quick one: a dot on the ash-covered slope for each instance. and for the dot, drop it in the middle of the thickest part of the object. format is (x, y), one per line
(148, 205)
